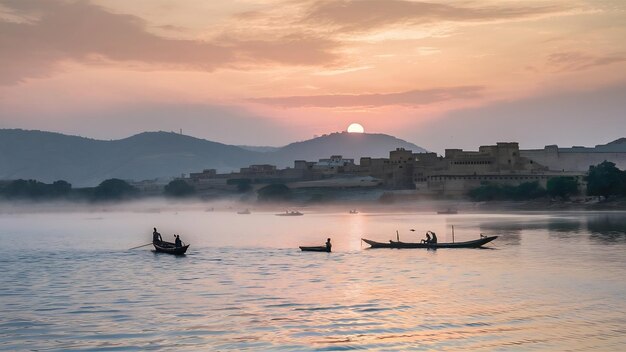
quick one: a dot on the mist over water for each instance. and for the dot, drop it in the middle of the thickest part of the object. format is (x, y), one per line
(551, 281)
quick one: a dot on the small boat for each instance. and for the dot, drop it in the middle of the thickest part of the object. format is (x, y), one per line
(398, 244)
(169, 247)
(290, 213)
(448, 211)
(315, 249)
(354, 211)
(244, 212)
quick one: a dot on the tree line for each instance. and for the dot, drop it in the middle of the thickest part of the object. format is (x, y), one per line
(604, 179)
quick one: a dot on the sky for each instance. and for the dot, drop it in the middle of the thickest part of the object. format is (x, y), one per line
(440, 74)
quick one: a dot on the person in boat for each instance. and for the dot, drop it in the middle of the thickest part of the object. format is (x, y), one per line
(328, 245)
(178, 242)
(428, 239)
(434, 239)
(156, 237)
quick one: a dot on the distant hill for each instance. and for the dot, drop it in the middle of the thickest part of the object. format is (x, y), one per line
(48, 156)
(349, 145)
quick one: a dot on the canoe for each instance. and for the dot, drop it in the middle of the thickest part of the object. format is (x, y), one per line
(398, 244)
(169, 247)
(314, 249)
(292, 213)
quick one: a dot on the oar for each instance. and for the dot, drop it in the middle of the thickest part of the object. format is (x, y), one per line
(143, 245)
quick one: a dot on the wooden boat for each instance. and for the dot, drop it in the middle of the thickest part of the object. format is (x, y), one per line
(244, 212)
(290, 213)
(353, 212)
(315, 249)
(398, 244)
(448, 211)
(169, 247)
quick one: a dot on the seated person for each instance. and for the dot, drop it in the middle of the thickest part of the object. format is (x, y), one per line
(434, 240)
(178, 242)
(427, 240)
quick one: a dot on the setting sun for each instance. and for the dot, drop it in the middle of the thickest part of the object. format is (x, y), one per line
(355, 128)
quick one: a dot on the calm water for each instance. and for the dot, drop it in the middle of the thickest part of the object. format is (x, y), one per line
(550, 282)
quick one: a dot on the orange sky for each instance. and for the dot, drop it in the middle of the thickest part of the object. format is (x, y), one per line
(270, 72)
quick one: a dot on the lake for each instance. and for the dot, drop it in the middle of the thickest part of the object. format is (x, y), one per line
(551, 281)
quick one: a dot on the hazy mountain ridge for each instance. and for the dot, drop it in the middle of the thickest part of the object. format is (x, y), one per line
(48, 156)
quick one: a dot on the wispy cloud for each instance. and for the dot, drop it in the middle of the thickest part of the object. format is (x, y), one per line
(366, 15)
(577, 61)
(409, 98)
(81, 31)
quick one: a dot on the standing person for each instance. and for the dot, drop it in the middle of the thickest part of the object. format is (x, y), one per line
(156, 237)
(328, 245)
(178, 242)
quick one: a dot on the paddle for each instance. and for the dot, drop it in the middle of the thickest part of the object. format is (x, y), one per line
(143, 245)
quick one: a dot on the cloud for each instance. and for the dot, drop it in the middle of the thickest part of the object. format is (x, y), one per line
(409, 98)
(577, 61)
(365, 15)
(54, 31)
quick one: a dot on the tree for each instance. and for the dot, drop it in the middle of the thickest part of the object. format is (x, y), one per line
(31, 189)
(114, 189)
(562, 187)
(491, 191)
(61, 188)
(179, 189)
(243, 184)
(605, 179)
(277, 191)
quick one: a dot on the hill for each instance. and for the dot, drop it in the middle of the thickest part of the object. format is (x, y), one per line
(48, 156)
(349, 145)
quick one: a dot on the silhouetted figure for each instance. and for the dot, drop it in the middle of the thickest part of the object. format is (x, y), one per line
(427, 240)
(328, 245)
(156, 237)
(434, 240)
(178, 242)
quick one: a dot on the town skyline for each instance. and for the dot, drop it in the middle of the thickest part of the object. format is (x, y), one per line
(273, 71)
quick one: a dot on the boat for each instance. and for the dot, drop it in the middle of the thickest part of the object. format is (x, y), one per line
(244, 212)
(315, 249)
(354, 211)
(169, 247)
(448, 211)
(398, 244)
(290, 213)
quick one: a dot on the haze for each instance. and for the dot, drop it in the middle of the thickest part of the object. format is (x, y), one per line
(268, 72)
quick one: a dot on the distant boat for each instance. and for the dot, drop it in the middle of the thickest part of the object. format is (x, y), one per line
(244, 212)
(290, 213)
(170, 248)
(448, 211)
(354, 211)
(398, 245)
(315, 249)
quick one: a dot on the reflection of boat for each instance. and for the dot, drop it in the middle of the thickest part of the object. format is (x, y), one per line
(397, 244)
(290, 213)
(244, 212)
(354, 211)
(315, 249)
(448, 211)
(169, 247)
